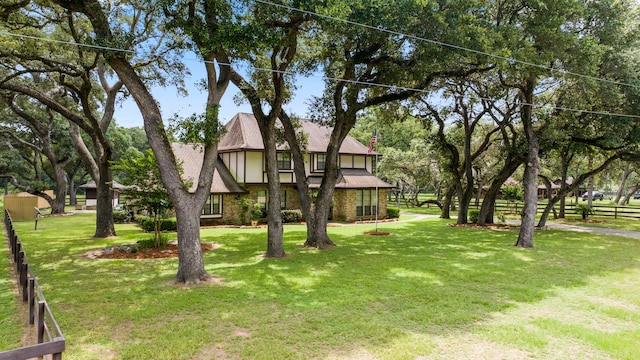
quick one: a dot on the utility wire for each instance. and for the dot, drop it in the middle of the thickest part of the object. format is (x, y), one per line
(441, 43)
(65, 42)
(354, 82)
(395, 88)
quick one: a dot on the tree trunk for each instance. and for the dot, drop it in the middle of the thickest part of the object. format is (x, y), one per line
(317, 230)
(190, 262)
(57, 207)
(446, 204)
(487, 208)
(532, 168)
(104, 201)
(275, 247)
(623, 182)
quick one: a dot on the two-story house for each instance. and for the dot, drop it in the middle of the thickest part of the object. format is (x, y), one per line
(241, 173)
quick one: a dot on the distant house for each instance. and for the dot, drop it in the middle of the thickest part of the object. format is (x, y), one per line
(555, 187)
(92, 193)
(241, 172)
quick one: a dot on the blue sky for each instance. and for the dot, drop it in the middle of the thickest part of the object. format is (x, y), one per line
(128, 115)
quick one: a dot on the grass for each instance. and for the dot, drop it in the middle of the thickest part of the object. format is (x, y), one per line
(11, 325)
(427, 291)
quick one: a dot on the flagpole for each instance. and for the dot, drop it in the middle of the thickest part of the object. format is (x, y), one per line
(376, 174)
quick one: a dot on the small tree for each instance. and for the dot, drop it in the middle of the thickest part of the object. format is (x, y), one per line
(584, 210)
(245, 205)
(256, 213)
(512, 192)
(144, 189)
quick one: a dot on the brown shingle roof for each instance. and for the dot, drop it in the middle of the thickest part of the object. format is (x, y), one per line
(352, 179)
(243, 133)
(191, 156)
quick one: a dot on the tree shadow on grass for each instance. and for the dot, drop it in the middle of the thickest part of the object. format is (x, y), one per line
(425, 278)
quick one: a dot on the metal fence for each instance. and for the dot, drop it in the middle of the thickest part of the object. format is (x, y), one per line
(51, 342)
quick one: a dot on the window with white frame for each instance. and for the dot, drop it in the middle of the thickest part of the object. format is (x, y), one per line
(321, 159)
(284, 161)
(213, 206)
(366, 202)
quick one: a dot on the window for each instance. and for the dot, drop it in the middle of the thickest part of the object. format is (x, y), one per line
(213, 206)
(284, 161)
(262, 200)
(366, 203)
(320, 161)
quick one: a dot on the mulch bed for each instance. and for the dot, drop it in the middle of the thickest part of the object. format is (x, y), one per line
(377, 233)
(125, 252)
(588, 221)
(487, 226)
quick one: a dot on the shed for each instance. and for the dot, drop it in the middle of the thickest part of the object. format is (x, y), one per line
(92, 193)
(22, 205)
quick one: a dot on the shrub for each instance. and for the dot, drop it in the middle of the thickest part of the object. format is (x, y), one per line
(473, 216)
(121, 216)
(584, 210)
(151, 243)
(139, 218)
(393, 213)
(291, 216)
(165, 225)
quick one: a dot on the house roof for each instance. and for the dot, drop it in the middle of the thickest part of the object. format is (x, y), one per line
(92, 185)
(192, 156)
(243, 133)
(352, 179)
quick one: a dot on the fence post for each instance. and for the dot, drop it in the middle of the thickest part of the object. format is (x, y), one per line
(16, 255)
(615, 216)
(40, 322)
(24, 280)
(32, 300)
(19, 260)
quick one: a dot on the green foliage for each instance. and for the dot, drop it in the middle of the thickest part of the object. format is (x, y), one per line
(256, 212)
(152, 243)
(144, 186)
(584, 210)
(394, 283)
(139, 218)
(169, 224)
(198, 129)
(244, 204)
(512, 192)
(393, 213)
(410, 169)
(473, 216)
(121, 216)
(291, 216)
(144, 189)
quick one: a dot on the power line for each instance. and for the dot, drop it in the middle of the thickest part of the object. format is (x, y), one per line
(423, 91)
(443, 44)
(354, 82)
(65, 42)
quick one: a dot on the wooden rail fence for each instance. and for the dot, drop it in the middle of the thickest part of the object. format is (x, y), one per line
(614, 211)
(51, 342)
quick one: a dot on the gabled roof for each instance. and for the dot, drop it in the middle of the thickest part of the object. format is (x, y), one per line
(243, 133)
(352, 179)
(192, 156)
(92, 185)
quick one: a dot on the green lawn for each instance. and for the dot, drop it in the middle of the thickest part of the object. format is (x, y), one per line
(427, 291)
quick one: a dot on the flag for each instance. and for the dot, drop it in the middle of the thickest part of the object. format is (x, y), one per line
(374, 138)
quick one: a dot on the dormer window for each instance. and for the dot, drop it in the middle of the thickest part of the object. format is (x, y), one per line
(284, 161)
